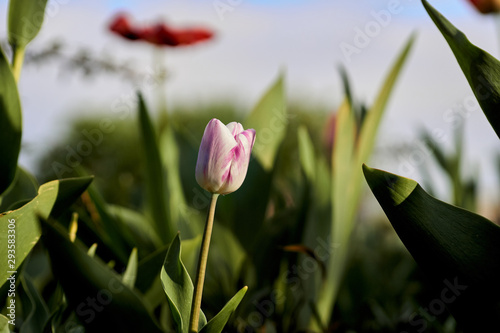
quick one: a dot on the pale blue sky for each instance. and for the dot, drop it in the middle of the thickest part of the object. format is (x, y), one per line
(254, 41)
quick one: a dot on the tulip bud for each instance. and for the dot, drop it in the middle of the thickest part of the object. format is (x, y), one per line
(224, 156)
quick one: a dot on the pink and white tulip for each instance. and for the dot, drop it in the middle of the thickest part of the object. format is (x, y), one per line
(224, 156)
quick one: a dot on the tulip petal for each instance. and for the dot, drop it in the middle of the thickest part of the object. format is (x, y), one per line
(239, 166)
(215, 156)
(235, 128)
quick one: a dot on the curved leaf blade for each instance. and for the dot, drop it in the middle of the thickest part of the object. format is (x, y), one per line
(217, 323)
(178, 287)
(155, 177)
(10, 124)
(25, 21)
(481, 69)
(452, 245)
(53, 197)
(97, 294)
(4, 324)
(269, 119)
(24, 187)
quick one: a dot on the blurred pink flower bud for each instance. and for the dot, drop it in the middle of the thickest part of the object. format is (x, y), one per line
(224, 156)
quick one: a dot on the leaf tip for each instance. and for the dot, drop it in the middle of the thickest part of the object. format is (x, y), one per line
(387, 187)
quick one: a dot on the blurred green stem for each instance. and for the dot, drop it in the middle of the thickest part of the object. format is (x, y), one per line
(17, 62)
(202, 266)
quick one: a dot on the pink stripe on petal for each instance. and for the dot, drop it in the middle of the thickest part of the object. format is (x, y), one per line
(239, 166)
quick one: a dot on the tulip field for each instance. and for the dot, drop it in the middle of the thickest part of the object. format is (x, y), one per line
(216, 220)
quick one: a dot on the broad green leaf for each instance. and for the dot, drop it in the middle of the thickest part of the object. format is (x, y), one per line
(109, 229)
(178, 287)
(10, 124)
(352, 147)
(25, 21)
(113, 306)
(217, 323)
(52, 199)
(169, 152)
(4, 324)
(135, 228)
(149, 268)
(458, 250)
(24, 187)
(34, 307)
(306, 154)
(480, 68)
(130, 273)
(155, 177)
(269, 119)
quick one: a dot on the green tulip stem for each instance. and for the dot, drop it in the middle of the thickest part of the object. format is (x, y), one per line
(17, 62)
(202, 267)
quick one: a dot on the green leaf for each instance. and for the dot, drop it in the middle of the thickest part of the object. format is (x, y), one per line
(480, 68)
(34, 306)
(10, 124)
(179, 212)
(109, 230)
(24, 187)
(217, 323)
(459, 250)
(25, 21)
(178, 287)
(352, 147)
(306, 153)
(155, 177)
(130, 273)
(4, 324)
(269, 119)
(53, 198)
(135, 228)
(97, 294)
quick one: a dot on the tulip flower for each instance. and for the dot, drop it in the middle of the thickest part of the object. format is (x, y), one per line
(221, 168)
(223, 156)
(158, 34)
(486, 6)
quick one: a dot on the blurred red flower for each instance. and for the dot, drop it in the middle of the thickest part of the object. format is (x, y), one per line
(159, 34)
(486, 6)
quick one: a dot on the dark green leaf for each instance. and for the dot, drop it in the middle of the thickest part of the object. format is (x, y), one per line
(178, 287)
(217, 323)
(24, 187)
(52, 198)
(34, 306)
(101, 300)
(459, 250)
(480, 68)
(109, 230)
(155, 177)
(10, 124)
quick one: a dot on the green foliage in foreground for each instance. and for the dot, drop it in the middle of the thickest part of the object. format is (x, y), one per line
(453, 246)
(111, 256)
